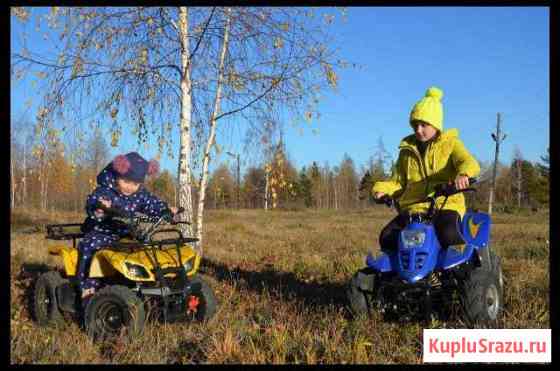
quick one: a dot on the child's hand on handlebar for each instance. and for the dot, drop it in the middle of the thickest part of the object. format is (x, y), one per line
(170, 214)
(174, 216)
(378, 195)
(461, 182)
(105, 202)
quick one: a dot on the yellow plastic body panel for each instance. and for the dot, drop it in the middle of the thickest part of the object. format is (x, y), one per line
(473, 228)
(108, 262)
(69, 257)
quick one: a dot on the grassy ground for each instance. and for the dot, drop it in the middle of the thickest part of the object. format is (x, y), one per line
(279, 278)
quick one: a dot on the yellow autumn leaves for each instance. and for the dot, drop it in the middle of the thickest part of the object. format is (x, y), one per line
(277, 182)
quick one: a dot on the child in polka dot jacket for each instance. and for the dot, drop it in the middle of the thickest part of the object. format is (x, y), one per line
(120, 186)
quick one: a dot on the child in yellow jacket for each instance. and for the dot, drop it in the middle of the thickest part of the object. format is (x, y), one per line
(429, 157)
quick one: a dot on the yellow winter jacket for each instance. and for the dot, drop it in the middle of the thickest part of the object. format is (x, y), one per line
(414, 178)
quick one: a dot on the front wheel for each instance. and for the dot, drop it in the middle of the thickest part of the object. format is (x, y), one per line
(360, 293)
(201, 303)
(45, 304)
(482, 297)
(112, 310)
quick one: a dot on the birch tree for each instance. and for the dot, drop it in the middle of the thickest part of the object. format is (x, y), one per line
(158, 71)
(125, 66)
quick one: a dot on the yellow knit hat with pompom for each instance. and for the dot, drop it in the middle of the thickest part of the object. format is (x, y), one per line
(429, 109)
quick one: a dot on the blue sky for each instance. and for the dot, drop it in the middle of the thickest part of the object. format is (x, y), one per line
(486, 60)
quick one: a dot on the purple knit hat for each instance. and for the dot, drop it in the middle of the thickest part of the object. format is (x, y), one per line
(134, 167)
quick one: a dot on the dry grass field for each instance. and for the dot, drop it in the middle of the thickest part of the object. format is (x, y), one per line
(279, 278)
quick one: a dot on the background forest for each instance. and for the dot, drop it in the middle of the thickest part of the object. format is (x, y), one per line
(49, 175)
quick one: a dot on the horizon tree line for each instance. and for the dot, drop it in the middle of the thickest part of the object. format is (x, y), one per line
(49, 174)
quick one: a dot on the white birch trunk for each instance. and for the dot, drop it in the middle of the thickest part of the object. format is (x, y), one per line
(266, 188)
(41, 185)
(46, 180)
(212, 135)
(184, 171)
(43, 188)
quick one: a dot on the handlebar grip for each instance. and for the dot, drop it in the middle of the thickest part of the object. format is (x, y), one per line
(450, 189)
(168, 215)
(384, 200)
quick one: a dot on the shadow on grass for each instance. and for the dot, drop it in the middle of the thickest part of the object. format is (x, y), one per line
(281, 285)
(319, 296)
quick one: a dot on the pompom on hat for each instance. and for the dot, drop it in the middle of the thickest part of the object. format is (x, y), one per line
(134, 167)
(429, 109)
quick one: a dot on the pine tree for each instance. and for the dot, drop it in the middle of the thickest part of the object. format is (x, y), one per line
(544, 168)
(304, 186)
(365, 187)
(316, 185)
(254, 184)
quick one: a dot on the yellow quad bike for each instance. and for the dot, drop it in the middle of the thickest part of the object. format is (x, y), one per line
(140, 274)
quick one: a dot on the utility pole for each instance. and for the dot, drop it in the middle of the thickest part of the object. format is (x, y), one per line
(518, 163)
(238, 183)
(236, 156)
(266, 175)
(498, 138)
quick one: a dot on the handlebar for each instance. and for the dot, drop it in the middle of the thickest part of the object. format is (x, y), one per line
(450, 189)
(167, 214)
(133, 221)
(440, 190)
(387, 200)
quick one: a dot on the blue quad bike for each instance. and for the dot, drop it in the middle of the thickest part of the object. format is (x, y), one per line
(420, 279)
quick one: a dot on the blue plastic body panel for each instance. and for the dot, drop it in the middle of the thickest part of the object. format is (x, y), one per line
(413, 264)
(416, 263)
(479, 222)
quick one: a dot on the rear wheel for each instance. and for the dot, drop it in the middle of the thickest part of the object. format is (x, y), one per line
(201, 303)
(45, 305)
(112, 311)
(360, 293)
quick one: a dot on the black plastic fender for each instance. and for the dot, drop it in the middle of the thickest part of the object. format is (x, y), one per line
(67, 297)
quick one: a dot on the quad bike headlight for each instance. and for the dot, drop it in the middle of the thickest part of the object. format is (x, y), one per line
(137, 271)
(413, 238)
(189, 264)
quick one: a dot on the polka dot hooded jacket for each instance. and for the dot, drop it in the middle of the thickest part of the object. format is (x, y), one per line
(142, 201)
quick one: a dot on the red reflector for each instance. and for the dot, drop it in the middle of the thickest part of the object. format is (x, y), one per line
(192, 304)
